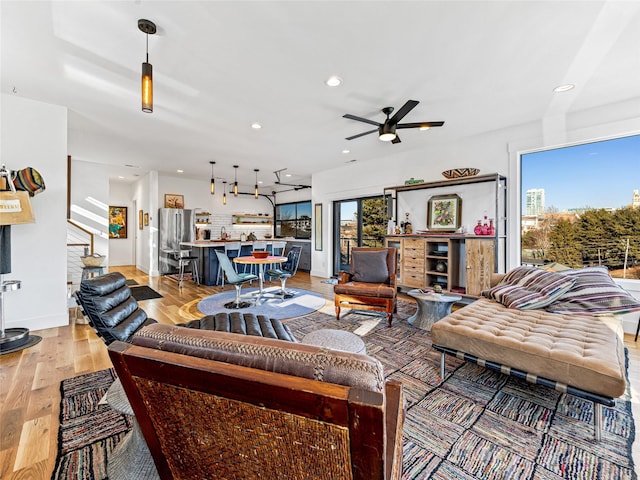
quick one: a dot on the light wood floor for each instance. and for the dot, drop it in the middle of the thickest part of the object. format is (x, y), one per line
(30, 379)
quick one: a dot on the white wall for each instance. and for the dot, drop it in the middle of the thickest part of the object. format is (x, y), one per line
(121, 250)
(34, 134)
(90, 201)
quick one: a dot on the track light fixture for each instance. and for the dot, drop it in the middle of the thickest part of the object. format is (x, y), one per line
(235, 183)
(255, 190)
(224, 195)
(213, 180)
(148, 28)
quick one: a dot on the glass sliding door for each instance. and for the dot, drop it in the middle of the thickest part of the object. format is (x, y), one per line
(358, 222)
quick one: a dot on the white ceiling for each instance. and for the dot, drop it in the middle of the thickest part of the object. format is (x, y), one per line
(221, 65)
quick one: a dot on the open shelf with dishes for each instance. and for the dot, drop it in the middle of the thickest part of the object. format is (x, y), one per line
(251, 219)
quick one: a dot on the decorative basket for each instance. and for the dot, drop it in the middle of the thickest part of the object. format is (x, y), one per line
(93, 260)
(460, 173)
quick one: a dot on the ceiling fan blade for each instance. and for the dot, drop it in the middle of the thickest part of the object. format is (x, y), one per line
(362, 134)
(396, 140)
(360, 119)
(406, 108)
(419, 124)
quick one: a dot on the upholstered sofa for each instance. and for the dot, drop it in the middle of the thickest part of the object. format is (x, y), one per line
(555, 329)
(220, 405)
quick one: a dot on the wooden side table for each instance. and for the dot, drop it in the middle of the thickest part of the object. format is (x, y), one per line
(431, 308)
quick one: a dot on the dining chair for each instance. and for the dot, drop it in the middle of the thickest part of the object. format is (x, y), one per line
(277, 249)
(287, 270)
(234, 278)
(231, 250)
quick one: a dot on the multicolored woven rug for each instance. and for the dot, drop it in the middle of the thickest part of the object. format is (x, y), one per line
(88, 429)
(476, 425)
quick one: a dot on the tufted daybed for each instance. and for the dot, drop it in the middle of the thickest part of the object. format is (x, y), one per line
(576, 353)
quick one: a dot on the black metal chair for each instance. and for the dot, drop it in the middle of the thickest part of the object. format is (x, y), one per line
(234, 278)
(287, 270)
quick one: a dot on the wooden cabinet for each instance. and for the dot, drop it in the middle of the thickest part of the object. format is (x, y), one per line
(479, 264)
(413, 262)
(459, 264)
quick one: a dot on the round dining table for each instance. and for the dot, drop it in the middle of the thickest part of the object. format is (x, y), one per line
(261, 262)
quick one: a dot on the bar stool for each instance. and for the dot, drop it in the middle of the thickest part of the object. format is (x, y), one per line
(231, 250)
(184, 258)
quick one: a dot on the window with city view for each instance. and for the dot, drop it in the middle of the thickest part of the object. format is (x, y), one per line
(581, 206)
(293, 220)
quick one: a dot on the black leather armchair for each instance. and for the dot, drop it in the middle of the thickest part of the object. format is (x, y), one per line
(112, 311)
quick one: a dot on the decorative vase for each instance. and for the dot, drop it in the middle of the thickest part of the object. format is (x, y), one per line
(478, 228)
(492, 229)
(485, 227)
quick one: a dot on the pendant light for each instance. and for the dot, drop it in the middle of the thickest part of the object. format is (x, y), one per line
(255, 190)
(224, 195)
(149, 28)
(213, 180)
(235, 183)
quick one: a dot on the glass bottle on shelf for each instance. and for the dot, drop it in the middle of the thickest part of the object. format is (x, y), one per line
(491, 230)
(478, 228)
(485, 226)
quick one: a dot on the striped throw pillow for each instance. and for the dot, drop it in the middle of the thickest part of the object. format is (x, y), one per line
(528, 288)
(594, 293)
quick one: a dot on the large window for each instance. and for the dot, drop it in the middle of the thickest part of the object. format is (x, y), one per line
(358, 223)
(293, 220)
(581, 206)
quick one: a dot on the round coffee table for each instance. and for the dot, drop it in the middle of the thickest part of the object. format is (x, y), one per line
(431, 308)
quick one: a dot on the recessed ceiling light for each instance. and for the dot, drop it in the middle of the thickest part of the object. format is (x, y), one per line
(287, 175)
(256, 126)
(333, 81)
(564, 88)
(120, 176)
(180, 171)
(345, 151)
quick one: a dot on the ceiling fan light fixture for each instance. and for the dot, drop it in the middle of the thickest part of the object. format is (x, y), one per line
(424, 127)
(148, 28)
(387, 133)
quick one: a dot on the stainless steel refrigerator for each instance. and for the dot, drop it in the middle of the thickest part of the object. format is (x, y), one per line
(175, 226)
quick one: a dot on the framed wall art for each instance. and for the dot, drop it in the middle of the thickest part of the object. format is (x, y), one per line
(146, 219)
(117, 222)
(173, 200)
(140, 224)
(318, 226)
(444, 213)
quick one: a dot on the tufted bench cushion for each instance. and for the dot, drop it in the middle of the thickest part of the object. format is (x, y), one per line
(583, 351)
(243, 324)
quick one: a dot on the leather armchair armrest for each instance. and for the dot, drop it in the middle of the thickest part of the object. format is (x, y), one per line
(393, 278)
(344, 277)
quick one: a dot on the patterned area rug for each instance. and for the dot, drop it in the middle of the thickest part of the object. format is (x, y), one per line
(88, 429)
(478, 424)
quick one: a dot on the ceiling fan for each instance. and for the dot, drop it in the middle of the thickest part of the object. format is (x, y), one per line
(387, 130)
